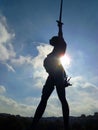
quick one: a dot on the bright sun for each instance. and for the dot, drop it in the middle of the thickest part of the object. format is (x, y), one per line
(65, 60)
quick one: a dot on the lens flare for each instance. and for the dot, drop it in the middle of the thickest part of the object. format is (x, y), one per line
(65, 61)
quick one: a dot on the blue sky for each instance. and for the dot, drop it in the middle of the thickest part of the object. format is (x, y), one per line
(25, 29)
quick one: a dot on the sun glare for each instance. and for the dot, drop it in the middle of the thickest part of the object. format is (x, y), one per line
(65, 60)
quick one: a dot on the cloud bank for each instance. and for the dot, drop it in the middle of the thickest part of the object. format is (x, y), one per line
(6, 48)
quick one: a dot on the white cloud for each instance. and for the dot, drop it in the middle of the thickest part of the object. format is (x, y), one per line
(27, 108)
(35, 63)
(8, 105)
(43, 50)
(4, 34)
(22, 60)
(94, 80)
(9, 67)
(82, 96)
(39, 73)
(6, 48)
(2, 89)
(53, 105)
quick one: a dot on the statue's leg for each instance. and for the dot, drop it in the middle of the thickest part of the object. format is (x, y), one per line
(46, 92)
(65, 108)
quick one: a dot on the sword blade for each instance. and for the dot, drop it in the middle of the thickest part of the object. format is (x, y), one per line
(60, 17)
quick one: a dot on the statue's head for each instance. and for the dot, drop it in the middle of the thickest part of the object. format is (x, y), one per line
(59, 44)
(54, 40)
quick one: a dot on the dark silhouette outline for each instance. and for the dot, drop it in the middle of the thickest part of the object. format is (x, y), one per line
(57, 77)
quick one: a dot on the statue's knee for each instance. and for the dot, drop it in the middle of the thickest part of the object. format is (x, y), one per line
(63, 100)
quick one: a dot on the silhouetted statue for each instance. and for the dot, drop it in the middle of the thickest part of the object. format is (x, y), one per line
(56, 79)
